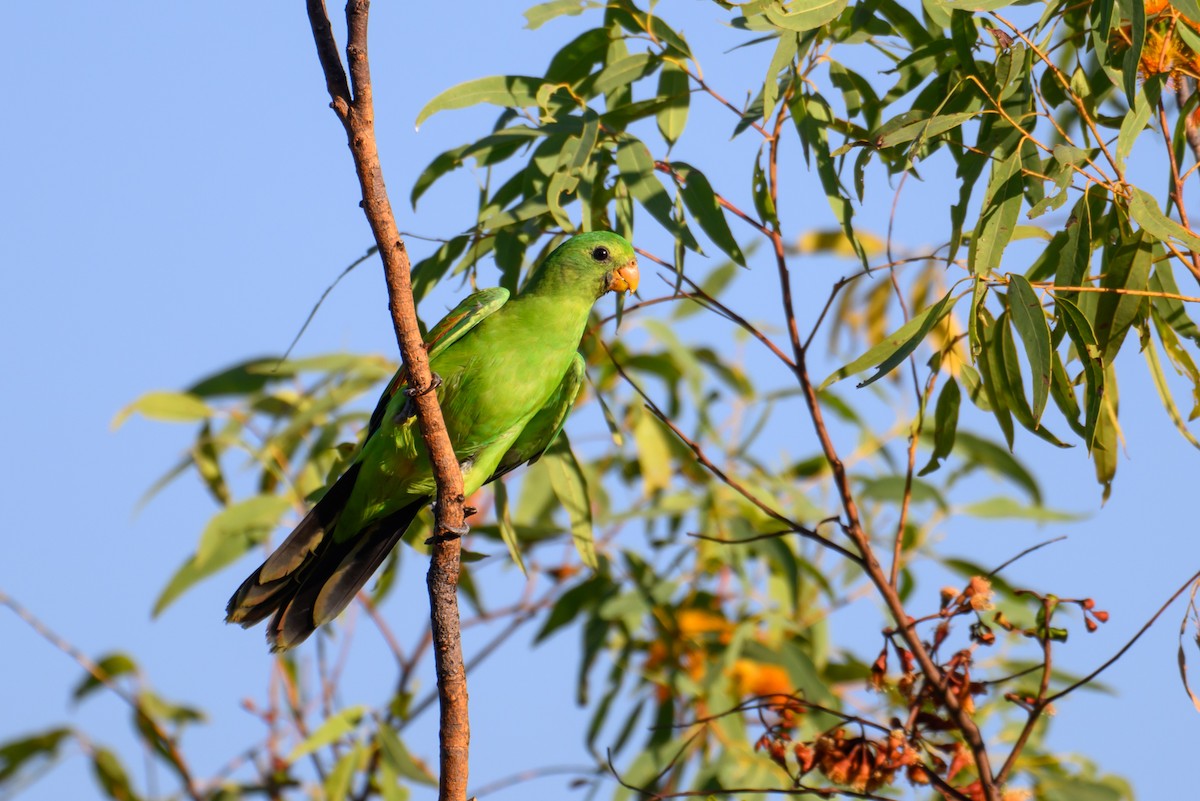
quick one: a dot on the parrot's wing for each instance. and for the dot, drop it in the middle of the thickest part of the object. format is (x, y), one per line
(451, 328)
(541, 431)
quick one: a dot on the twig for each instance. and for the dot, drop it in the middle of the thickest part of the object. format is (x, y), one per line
(1088, 678)
(708, 464)
(1024, 553)
(1039, 705)
(529, 775)
(95, 671)
(357, 114)
(371, 251)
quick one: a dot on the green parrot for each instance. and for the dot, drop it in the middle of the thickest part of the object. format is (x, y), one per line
(506, 375)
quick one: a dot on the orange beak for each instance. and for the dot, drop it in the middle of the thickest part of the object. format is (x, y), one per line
(625, 279)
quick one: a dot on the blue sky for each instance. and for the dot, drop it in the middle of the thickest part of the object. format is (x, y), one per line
(178, 194)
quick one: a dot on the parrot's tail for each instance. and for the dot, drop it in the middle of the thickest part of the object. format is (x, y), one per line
(311, 577)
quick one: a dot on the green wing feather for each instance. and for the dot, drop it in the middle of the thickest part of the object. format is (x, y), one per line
(472, 311)
(540, 432)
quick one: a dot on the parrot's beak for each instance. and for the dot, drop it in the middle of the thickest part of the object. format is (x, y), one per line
(625, 279)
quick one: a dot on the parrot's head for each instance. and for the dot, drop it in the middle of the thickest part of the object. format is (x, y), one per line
(600, 259)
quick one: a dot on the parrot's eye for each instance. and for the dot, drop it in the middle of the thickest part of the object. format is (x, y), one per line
(600, 254)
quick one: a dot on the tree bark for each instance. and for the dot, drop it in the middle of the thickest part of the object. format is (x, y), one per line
(351, 101)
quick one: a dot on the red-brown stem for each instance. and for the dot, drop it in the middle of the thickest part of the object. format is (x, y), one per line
(1039, 706)
(353, 105)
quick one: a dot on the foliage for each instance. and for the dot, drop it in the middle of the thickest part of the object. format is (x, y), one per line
(727, 514)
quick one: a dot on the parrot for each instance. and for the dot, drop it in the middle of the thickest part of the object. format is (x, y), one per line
(506, 373)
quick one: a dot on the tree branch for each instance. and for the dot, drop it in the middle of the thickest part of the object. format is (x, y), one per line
(353, 105)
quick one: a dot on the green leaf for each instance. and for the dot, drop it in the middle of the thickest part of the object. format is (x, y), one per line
(507, 533)
(539, 15)
(1012, 384)
(111, 665)
(1145, 211)
(1105, 444)
(623, 72)
(1132, 125)
(509, 91)
(250, 519)
(1063, 393)
(242, 378)
(1173, 310)
(910, 125)
(111, 775)
(785, 52)
(998, 215)
(674, 85)
(1189, 8)
(763, 203)
(397, 756)
(653, 453)
(171, 407)
(896, 347)
(701, 201)
(1025, 310)
(227, 536)
(341, 776)
(334, 728)
(16, 753)
(1005, 508)
(1128, 268)
(891, 489)
(945, 425)
(990, 358)
(569, 485)
(637, 173)
(1081, 334)
(1181, 360)
(812, 116)
(586, 594)
(1150, 352)
(976, 450)
(1133, 56)
(804, 15)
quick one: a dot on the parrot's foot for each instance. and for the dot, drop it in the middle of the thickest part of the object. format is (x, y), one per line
(451, 533)
(435, 382)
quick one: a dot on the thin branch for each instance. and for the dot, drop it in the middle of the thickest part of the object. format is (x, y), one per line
(1024, 553)
(167, 742)
(708, 464)
(531, 774)
(357, 115)
(1088, 678)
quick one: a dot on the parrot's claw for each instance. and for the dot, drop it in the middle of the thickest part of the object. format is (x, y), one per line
(451, 533)
(434, 383)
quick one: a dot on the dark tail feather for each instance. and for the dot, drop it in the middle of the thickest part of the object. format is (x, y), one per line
(269, 587)
(328, 582)
(312, 577)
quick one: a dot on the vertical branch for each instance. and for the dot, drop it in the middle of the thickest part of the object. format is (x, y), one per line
(853, 526)
(352, 103)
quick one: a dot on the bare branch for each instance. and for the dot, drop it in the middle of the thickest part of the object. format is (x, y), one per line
(358, 117)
